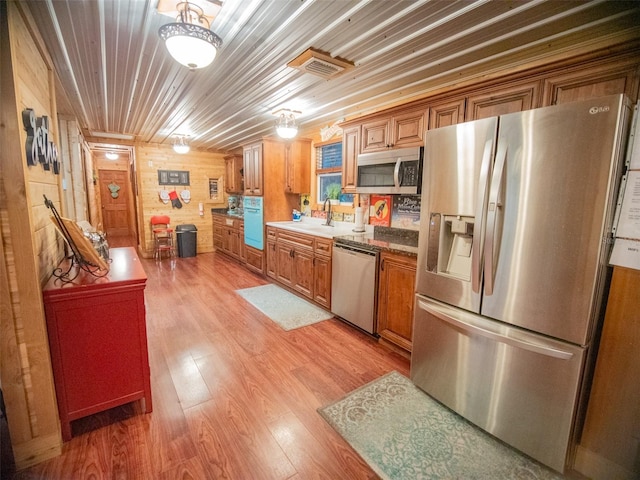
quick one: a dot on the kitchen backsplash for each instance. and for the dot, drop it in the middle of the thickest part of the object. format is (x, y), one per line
(394, 211)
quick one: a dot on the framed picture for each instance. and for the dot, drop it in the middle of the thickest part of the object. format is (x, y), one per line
(215, 189)
(173, 177)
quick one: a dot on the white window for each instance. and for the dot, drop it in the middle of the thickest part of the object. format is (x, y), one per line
(329, 172)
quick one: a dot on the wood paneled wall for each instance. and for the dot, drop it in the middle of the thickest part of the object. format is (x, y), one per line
(201, 166)
(30, 245)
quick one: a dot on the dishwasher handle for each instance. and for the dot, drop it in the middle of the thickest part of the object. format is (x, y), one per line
(354, 250)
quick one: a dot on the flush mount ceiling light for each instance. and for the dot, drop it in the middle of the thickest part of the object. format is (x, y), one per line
(112, 155)
(286, 126)
(180, 145)
(189, 40)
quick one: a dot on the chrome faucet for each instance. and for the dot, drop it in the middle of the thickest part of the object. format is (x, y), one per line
(324, 209)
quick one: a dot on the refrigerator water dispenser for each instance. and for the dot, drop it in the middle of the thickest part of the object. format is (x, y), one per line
(449, 248)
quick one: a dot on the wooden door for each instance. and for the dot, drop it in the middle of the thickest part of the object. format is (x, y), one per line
(375, 135)
(448, 113)
(350, 149)
(408, 129)
(284, 254)
(272, 259)
(322, 280)
(496, 102)
(395, 299)
(303, 272)
(253, 170)
(114, 195)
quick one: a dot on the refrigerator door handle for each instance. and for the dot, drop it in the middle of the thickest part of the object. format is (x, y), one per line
(492, 216)
(452, 318)
(479, 227)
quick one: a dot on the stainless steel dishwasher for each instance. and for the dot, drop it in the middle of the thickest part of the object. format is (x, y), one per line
(353, 285)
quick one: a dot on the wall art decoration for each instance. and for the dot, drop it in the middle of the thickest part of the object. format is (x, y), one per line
(173, 177)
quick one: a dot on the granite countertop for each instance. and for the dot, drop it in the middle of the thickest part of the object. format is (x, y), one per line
(389, 239)
(225, 211)
(382, 238)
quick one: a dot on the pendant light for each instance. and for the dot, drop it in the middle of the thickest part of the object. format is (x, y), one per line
(286, 126)
(189, 40)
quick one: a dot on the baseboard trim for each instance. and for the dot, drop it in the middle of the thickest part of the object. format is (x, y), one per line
(596, 467)
(37, 450)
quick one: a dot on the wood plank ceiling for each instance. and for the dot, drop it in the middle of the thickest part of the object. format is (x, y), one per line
(119, 77)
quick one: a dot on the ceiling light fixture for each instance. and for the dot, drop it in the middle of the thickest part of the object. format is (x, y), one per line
(180, 145)
(286, 126)
(189, 40)
(112, 155)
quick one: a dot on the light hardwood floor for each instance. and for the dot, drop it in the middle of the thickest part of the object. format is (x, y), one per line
(234, 395)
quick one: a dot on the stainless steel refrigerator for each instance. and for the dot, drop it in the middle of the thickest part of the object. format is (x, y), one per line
(514, 241)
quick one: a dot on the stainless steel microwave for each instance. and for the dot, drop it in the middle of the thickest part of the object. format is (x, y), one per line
(390, 172)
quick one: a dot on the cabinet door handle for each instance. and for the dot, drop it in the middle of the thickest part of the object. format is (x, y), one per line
(382, 264)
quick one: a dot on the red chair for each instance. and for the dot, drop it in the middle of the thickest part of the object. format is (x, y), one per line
(162, 236)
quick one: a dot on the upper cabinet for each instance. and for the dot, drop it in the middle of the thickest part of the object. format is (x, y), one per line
(572, 85)
(253, 179)
(233, 171)
(500, 101)
(450, 112)
(297, 157)
(350, 149)
(402, 129)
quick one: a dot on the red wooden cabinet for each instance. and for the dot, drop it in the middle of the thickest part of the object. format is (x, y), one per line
(98, 339)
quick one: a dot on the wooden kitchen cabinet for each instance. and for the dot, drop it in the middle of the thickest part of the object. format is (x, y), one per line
(270, 253)
(98, 339)
(322, 271)
(610, 438)
(253, 169)
(233, 167)
(507, 99)
(300, 262)
(402, 129)
(577, 84)
(448, 113)
(350, 149)
(284, 259)
(297, 169)
(295, 261)
(254, 259)
(376, 135)
(228, 235)
(396, 288)
(303, 271)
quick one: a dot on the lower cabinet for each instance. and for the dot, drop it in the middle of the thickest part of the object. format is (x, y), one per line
(322, 280)
(396, 287)
(254, 259)
(300, 262)
(228, 236)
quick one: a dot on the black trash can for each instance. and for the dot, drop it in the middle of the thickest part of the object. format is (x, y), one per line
(187, 236)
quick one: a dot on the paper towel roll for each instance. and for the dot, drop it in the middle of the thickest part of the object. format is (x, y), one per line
(359, 227)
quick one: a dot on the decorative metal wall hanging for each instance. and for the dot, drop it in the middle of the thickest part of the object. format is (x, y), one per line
(173, 177)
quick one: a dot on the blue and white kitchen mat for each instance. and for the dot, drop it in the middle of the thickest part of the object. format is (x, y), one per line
(286, 309)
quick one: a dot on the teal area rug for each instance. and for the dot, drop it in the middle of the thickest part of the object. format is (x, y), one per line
(286, 309)
(402, 433)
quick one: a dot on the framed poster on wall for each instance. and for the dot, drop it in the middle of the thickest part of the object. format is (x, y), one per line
(173, 177)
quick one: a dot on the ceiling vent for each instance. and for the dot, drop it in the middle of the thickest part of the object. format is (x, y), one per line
(320, 64)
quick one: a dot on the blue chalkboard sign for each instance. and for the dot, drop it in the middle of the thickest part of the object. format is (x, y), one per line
(331, 155)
